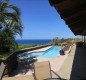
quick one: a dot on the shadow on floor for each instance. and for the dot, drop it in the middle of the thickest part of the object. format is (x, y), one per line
(22, 69)
(59, 78)
(79, 64)
(55, 79)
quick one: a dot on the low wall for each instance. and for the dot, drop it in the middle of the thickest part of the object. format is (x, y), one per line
(11, 61)
(31, 48)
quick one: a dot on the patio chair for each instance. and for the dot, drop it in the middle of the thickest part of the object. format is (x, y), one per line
(42, 71)
(2, 69)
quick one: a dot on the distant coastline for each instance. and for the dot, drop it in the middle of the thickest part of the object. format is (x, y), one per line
(33, 41)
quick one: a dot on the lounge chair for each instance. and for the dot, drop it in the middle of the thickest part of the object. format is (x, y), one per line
(27, 60)
(42, 71)
(2, 69)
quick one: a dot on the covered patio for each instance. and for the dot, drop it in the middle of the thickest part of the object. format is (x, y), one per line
(74, 14)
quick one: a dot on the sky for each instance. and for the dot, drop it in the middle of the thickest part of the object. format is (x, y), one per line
(41, 20)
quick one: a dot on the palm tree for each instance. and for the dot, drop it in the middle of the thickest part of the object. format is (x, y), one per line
(10, 25)
(8, 12)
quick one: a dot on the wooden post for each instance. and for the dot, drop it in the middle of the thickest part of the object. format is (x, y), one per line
(84, 39)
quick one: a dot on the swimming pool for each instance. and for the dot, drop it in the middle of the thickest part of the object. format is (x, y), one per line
(52, 52)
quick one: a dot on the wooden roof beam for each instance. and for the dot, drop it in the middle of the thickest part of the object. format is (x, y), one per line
(76, 17)
(78, 31)
(54, 2)
(73, 31)
(83, 20)
(73, 14)
(71, 11)
(75, 27)
(81, 23)
(68, 8)
(68, 5)
(83, 12)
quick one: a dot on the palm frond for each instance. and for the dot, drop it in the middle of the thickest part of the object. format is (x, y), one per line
(3, 6)
(16, 9)
(13, 25)
(12, 16)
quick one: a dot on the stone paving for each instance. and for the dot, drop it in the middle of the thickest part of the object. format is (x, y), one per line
(65, 71)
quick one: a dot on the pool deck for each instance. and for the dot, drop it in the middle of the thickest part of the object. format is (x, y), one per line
(61, 65)
(65, 71)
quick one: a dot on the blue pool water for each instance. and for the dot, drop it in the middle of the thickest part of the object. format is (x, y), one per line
(49, 53)
(52, 52)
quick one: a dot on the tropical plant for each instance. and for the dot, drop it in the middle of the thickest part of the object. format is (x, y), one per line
(10, 25)
(8, 12)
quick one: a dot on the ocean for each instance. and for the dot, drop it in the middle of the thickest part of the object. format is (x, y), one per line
(33, 41)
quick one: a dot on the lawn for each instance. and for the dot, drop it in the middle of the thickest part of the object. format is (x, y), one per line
(3, 55)
(22, 46)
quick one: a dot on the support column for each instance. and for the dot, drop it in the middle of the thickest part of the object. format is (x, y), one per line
(84, 39)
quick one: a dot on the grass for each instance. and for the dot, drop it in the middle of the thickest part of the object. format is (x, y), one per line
(3, 55)
(22, 46)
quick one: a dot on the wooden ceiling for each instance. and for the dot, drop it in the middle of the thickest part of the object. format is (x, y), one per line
(74, 14)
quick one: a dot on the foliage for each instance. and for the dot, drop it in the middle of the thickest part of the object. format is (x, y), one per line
(77, 39)
(3, 55)
(22, 46)
(62, 40)
(10, 26)
(55, 41)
